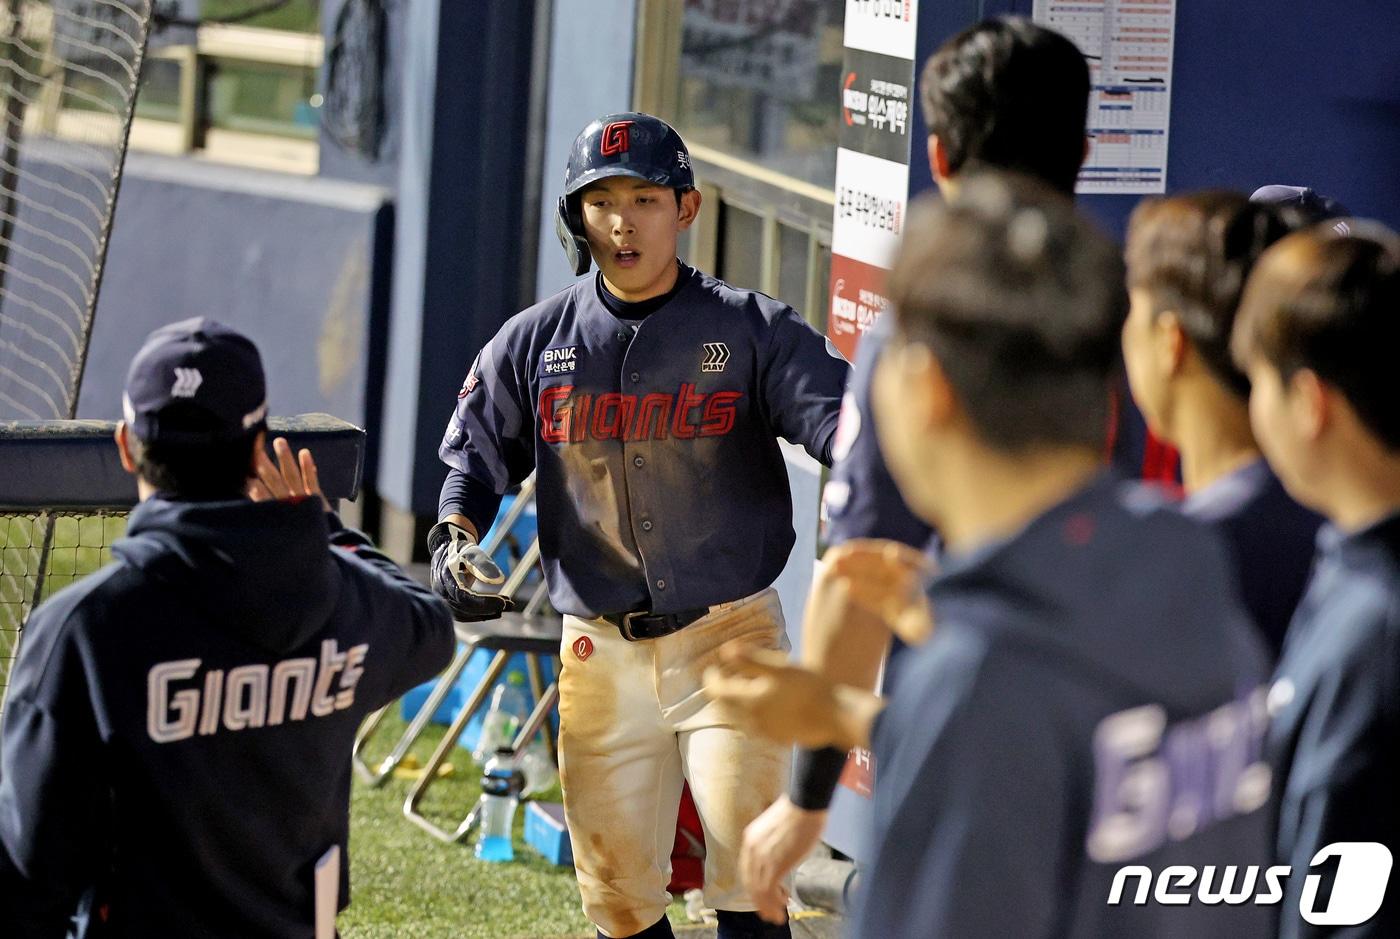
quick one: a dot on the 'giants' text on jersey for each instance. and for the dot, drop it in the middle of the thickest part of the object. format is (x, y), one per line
(250, 696)
(564, 415)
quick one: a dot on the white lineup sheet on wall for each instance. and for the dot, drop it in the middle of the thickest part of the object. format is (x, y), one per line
(1129, 46)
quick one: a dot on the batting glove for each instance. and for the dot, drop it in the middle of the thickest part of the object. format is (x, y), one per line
(459, 563)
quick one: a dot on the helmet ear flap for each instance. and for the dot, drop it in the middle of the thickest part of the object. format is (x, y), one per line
(568, 225)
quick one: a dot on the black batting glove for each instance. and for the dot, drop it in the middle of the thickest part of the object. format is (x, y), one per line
(459, 564)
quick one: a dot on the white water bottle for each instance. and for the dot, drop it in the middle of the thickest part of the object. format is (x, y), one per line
(501, 784)
(538, 767)
(502, 720)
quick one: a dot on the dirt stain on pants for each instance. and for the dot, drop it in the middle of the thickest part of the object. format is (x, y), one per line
(635, 725)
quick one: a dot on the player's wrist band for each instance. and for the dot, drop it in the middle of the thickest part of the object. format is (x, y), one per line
(442, 532)
(815, 774)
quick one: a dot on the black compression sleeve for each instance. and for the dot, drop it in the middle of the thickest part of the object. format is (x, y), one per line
(815, 774)
(463, 495)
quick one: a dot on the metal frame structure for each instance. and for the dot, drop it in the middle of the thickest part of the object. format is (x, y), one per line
(376, 776)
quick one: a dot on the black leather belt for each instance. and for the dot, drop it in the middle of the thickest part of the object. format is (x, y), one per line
(640, 624)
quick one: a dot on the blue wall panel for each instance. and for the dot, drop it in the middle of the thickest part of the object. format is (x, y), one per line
(462, 172)
(1303, 94)
(289, 260)
(583, 84)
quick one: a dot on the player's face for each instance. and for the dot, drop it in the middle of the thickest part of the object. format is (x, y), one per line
(632, 226)
(1280, 415)
(1143, 361)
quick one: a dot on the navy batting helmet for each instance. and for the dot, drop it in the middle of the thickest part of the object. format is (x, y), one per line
(628, 144)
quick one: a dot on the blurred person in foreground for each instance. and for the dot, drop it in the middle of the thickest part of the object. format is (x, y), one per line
(1188, 258)
(1052, 731)
(1317, 332)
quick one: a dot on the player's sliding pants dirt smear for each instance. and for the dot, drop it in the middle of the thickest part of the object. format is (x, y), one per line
(634, 724)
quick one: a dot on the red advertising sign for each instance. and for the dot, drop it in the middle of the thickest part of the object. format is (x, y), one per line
(859, 774)
(857, 298)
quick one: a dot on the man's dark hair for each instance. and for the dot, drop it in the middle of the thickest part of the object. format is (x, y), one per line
(1008, 94)
(1022, 301)
(1192, 254)
(181, 465)
(1330, 303)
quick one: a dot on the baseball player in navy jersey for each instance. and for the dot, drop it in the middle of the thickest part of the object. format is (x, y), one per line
(176, 756)
(648, 399)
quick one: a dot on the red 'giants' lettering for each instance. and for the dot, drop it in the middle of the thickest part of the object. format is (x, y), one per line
(687, 414)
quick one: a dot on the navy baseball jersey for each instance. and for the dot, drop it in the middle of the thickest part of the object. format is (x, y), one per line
(660, 482)
(1335, 703)
(1272, 540)
(176, 747)
(860, 499)
(1055, 730)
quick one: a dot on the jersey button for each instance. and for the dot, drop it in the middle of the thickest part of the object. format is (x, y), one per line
(661, 585)
(638, 461)
(646, 526)
(621, 337)
(636, 376)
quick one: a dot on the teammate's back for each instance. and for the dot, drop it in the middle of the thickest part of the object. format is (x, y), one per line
(1055, 731)
(1091, 697)
(1093, 694)
(177, 737)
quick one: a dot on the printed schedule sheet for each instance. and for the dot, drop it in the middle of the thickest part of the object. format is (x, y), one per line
(1128, 44)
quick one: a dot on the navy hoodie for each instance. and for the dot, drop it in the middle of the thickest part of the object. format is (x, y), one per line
(1092, 698)
(176, 741)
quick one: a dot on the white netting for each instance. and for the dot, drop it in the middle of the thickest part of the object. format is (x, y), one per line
(68, 77)
(41, 553)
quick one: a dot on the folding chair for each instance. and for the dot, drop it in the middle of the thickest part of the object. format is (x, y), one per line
(376, 777)
(526, 632)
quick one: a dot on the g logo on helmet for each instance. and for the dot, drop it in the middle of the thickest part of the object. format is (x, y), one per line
(616, 138)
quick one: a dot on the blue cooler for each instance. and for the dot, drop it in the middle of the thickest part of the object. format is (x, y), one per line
(546, 833)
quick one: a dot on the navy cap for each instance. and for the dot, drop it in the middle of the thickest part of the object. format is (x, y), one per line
(1309, 205)
(195, 381)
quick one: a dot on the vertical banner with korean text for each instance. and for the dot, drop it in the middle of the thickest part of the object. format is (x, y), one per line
(872, 195)
(872, 162)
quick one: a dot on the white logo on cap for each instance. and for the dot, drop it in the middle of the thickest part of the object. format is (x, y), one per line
(255, 415)
(187, 382)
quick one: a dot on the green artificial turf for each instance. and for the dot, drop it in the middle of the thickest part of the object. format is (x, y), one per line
(407, 885)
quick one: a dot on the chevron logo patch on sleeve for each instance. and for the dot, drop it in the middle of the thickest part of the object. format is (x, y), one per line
(715, 357)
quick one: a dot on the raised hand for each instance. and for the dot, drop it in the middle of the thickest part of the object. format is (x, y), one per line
(292, 478)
